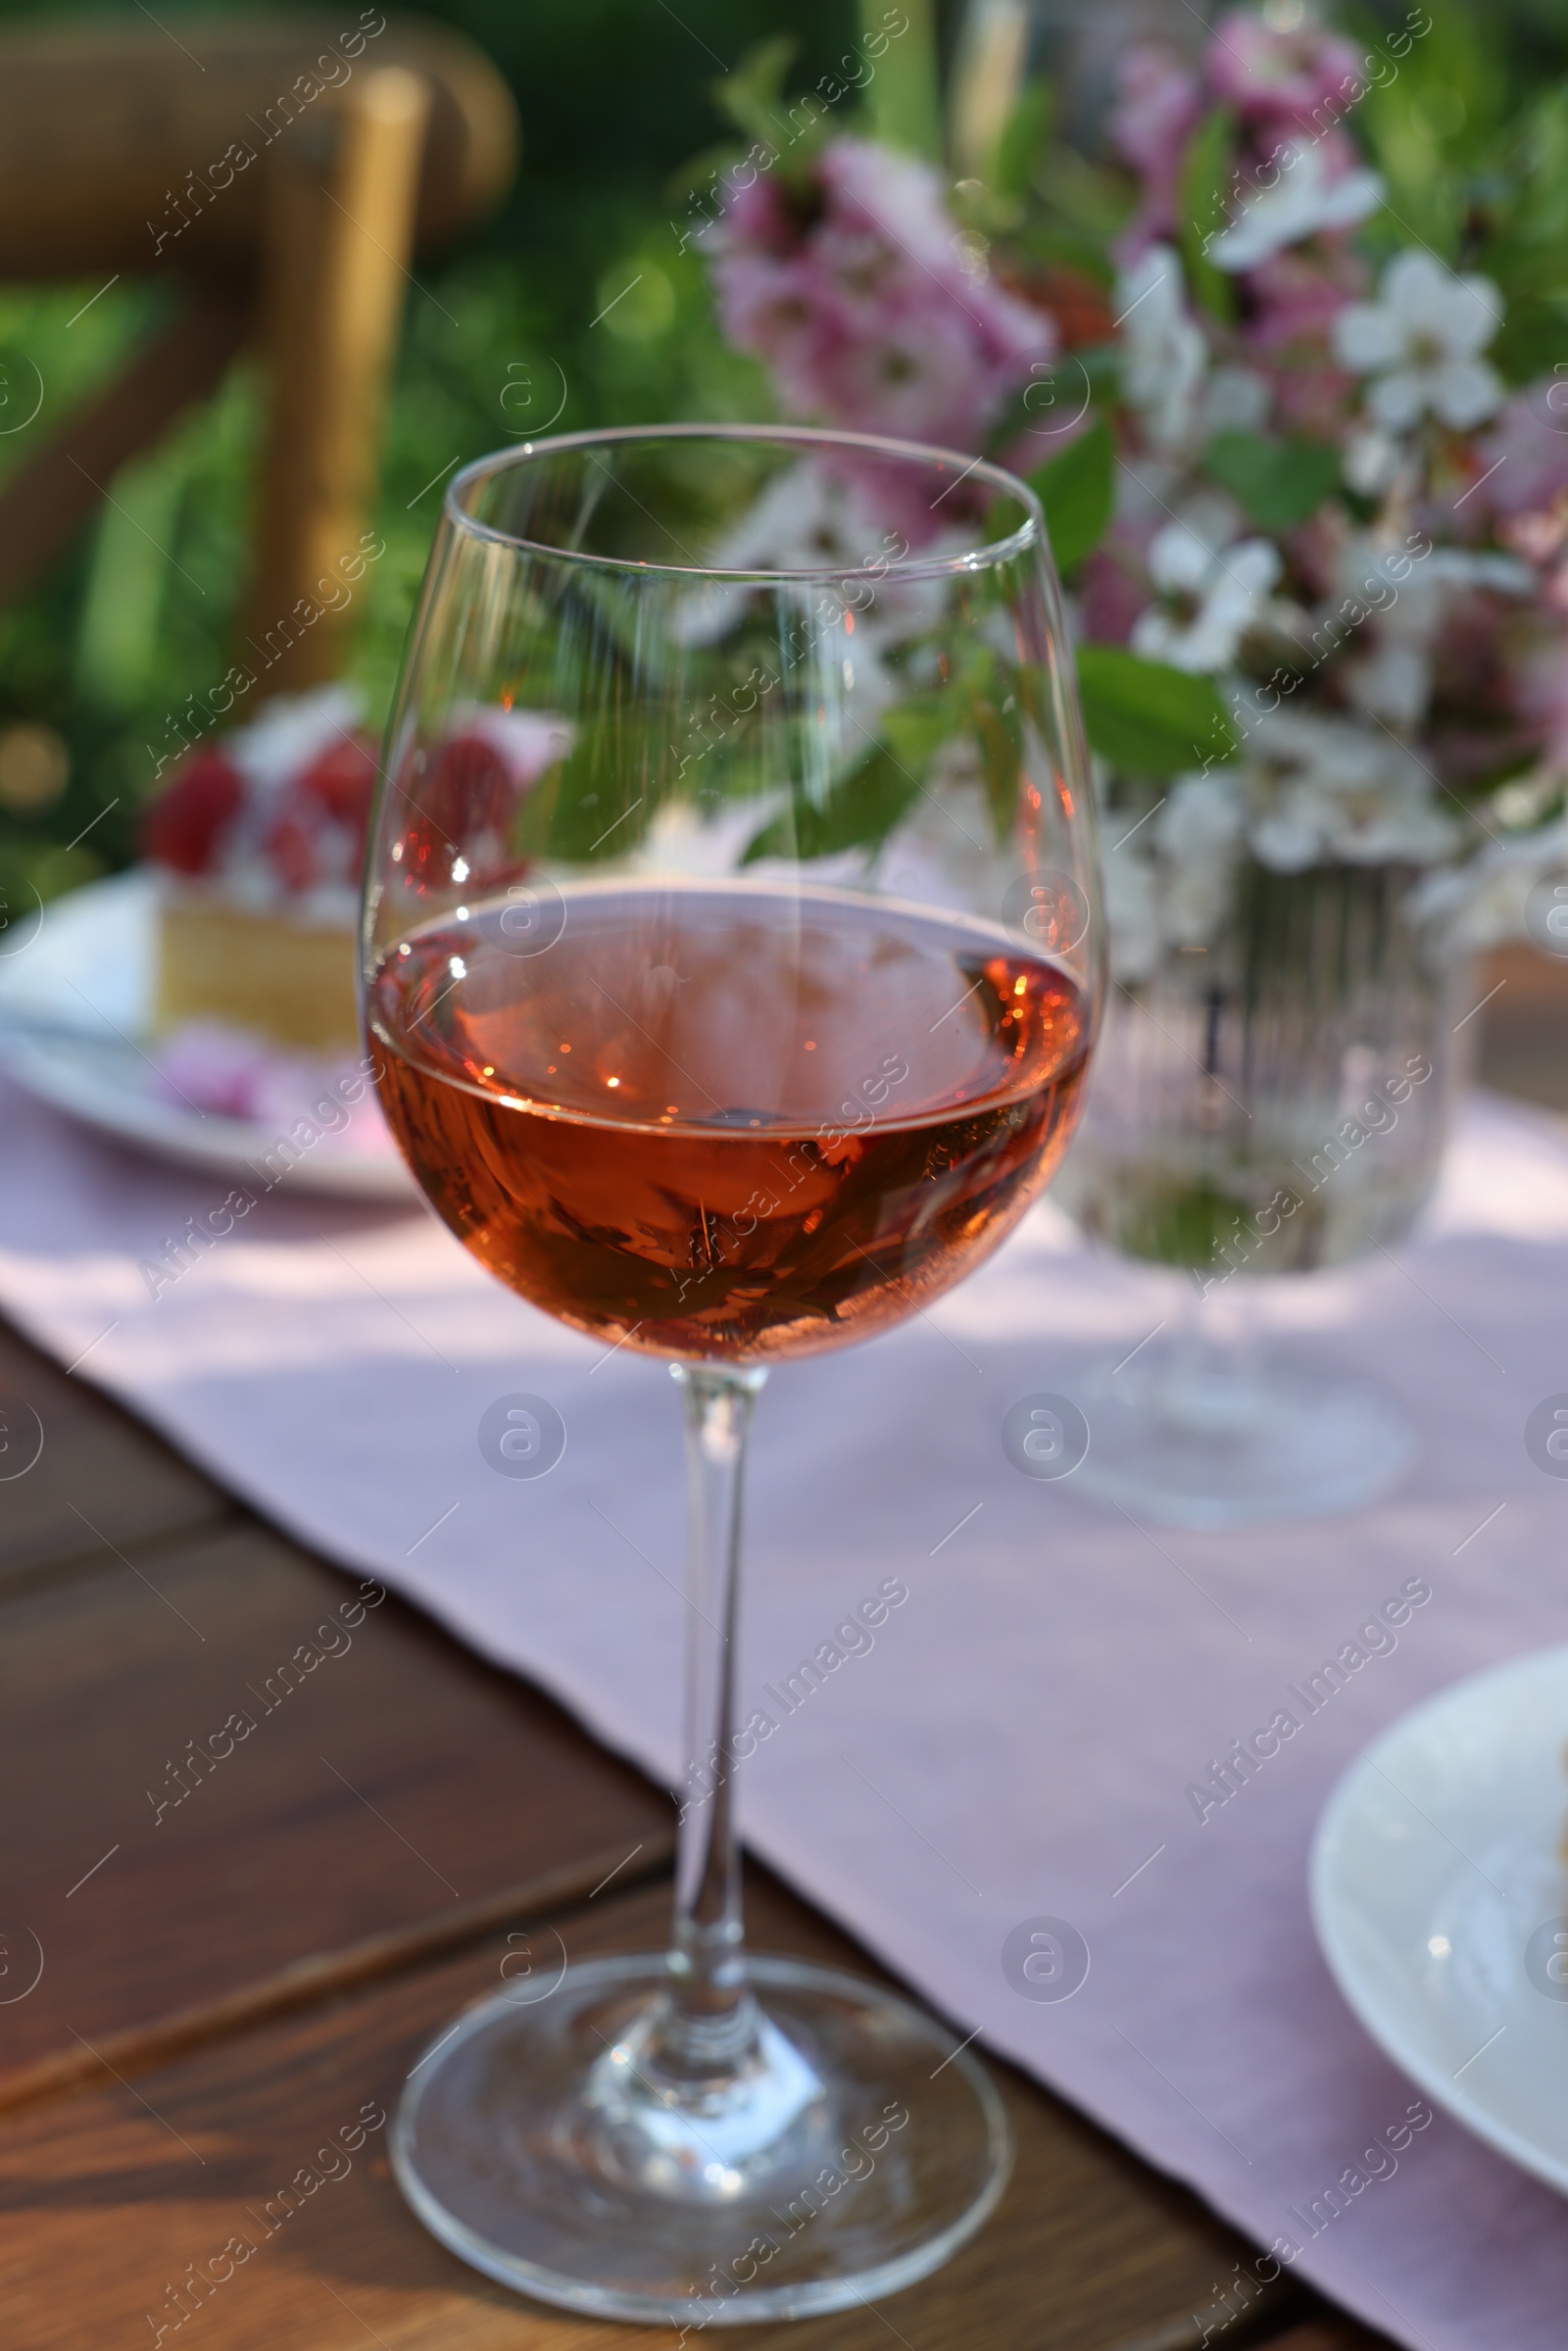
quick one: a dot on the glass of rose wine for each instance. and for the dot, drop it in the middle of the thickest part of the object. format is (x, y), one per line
(731, 954)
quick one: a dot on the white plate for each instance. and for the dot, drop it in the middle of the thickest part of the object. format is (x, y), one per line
(81, 974)
(1439, 1890)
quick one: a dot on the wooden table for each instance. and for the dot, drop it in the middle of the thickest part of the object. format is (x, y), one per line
(234, 1982)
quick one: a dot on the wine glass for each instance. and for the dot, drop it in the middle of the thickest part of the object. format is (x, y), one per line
(731, 956)
(1272, 1103)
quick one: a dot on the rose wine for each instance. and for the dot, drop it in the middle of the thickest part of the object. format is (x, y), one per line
(722, 1121)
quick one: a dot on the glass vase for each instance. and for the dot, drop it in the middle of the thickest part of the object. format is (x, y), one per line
(1268, 1103)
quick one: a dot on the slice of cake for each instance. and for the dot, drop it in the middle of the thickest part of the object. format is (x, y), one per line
(259, 840)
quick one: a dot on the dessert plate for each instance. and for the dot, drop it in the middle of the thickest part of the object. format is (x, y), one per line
(75, 995)
(1439, 1897)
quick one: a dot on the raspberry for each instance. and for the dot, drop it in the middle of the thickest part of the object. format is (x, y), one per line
(292, 845)
(343, 781)
(319, 833)
(185, 826)
(468, 808)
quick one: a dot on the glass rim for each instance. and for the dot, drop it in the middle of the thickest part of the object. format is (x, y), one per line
(984, 557)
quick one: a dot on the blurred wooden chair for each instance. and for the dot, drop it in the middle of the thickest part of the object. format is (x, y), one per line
(285, 171)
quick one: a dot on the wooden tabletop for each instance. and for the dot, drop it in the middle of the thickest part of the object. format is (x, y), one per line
(207, 1975)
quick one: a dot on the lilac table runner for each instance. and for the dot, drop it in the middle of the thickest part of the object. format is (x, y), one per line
(1012, 1728)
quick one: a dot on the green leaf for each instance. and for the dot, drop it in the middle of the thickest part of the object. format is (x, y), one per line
(1148, 718)
(1000, 759)
(1207, 170)
(750, 95)
(859, 812)
(1030, 406)
(903, 96)
(1076, 488)
(979, 705)
(1440, 119)
(1532, 337)
(1179, 1224)
(595, 798)
(915, 728)
(1022, 139)
(1279, 483)
(1523, 215)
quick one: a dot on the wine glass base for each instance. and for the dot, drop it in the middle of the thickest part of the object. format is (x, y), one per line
(509, 2150)
(1229, 1449)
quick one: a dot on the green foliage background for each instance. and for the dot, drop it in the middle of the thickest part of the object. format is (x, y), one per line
(615, 97)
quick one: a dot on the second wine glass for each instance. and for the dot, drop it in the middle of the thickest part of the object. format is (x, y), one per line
(1272, 1103)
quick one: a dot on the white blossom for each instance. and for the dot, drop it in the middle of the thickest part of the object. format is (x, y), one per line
(1393, 682)
(1330, 790)
(1484, 900)
(1163, 352)
(809, 520)
(1479, 567)
(1235, 400)
(1420, 342)
(1210, 514)
(1371, 462)
(1306, 199)
(1389, 671)
(1131, 901)
(1309, 790)
(1217, 592)
(1199, 834)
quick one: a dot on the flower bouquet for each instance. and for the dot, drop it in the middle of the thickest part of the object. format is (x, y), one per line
(1287, 361)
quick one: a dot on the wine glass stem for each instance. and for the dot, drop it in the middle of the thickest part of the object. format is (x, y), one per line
(1209, 1343)
(710, 2011)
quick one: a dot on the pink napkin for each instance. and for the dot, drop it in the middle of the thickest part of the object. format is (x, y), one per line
(1011, 1733)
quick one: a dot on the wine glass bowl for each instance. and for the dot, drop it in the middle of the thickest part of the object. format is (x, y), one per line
(686, 754)
(732, 961)
(729, 1121)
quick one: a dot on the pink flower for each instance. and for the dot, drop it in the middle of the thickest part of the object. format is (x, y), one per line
(893, 199)
(858, 294)
(1156, 106)
(1296, 295)
(210, 1066)
(1526, 451)
(901, 376)
(1312, 401)
(1113, 588)
(1544, 684)
(1306, 80)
